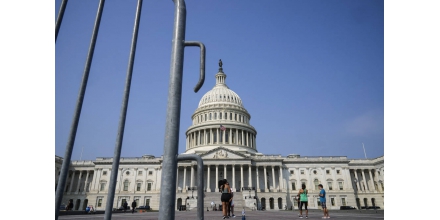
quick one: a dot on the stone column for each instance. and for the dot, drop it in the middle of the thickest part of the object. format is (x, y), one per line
(184, 179)
(247, 139)
(218, 137)
(265, 180)
(236, 139)
(281, 178)
(187, 142)
(242, 137)
(335, 181)
(95, 176)
(379, 189)
(298, 179)
(309, 184)
(79, 182)
(233, 177)
(71, 182)
(364, 180)
(216, 178)
(85, 183)
(324, 178)
(177, 178)
(241, 173)
(347, 179)
(134, 181)
(192, 176)
(258, 180)
(145, 179)
(372, 188)
(120, 179)
(208, 186)
(357, 180)
(273, 177)
(224, 172)
(250, 175)
(199, 139)
(224, 136)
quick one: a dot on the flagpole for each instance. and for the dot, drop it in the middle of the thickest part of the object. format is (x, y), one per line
(81, 153)
(364, 151)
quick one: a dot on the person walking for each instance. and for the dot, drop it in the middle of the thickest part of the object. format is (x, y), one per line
(133, 206)
(303, 200)
(323, 201)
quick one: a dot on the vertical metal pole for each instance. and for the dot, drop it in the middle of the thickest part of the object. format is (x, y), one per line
(200, 185)
(60, 18)
(77, 113)
(122, 117)
(171, 143)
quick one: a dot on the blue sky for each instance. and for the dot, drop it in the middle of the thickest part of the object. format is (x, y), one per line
(310, 73)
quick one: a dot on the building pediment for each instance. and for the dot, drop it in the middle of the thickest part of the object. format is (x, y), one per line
(222, 153)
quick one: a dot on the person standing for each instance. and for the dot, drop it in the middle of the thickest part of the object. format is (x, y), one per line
(231, 205)
(303, 200)
(133, 206)
(125, 205)
(225, 198)
(323, 201)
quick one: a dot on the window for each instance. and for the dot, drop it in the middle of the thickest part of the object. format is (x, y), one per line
(338, 172)
(239, 118)
(147, 202)
(332, 201)
(220, 115)
(138, 186)
(126, 185)
(210, 116)
(236, 117)
(343, 201)
(226, 116)
(127, 173)
(341, 187)
(102, 187)
(215, 116)
(316, 182)
(302, 171)
(291, 172)
(150, 173)
(378, 172)
(148, 186)
(293, 186)
(140, 172)
(99, 202)
(230, 116)
(314, 172)
(330, 186)
(104, 173)
(327, 171)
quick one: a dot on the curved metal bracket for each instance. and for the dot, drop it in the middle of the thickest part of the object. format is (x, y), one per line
(202, 62)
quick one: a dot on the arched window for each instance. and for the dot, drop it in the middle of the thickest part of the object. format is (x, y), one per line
(215, 116)
(235, 117)
(220, 115)
(316, 182)
(210, 116)
(205, 117)
(126, 183)
(226, 136)
(230, 116)
(226, 116)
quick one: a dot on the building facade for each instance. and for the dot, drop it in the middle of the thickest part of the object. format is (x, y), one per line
(222, 135)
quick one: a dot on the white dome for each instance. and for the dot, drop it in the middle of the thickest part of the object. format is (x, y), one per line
(220, 93)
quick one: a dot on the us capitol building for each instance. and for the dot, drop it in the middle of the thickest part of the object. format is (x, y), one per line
(222, 135)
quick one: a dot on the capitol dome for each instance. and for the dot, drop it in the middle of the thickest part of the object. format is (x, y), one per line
(220, 93)
(221, 121)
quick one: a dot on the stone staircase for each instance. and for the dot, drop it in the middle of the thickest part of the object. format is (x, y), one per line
(215, 197)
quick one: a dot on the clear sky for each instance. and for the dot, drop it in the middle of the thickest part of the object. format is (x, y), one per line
(310, 73)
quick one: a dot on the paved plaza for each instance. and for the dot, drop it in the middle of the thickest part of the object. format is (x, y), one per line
(251, 215)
